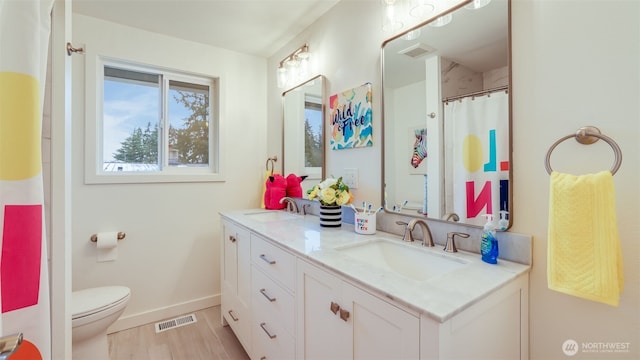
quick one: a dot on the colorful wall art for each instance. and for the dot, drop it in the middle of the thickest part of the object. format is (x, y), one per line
(350, 119)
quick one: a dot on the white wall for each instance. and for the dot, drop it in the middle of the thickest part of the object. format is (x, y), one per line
(170, 256)
(572, 67)
(571, 71)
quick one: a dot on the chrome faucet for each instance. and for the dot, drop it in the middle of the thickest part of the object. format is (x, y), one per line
(451, 216)
(9, 344)
(451, 241)
(427, 239)
(291, 204)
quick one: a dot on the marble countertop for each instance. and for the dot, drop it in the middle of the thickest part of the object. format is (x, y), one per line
(439, 297)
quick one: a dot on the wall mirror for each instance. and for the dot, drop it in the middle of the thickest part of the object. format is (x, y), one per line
(447, 117)
(303, 109)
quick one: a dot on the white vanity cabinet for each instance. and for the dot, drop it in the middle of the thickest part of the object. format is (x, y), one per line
(273, 303)
(337, 320)
(288, 294)
(236, 281)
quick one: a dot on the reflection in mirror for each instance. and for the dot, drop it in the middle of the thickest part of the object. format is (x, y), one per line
(447, 118)
(303, 129)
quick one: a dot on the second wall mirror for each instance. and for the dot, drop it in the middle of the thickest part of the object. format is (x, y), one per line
(447, 117)
(303, 109)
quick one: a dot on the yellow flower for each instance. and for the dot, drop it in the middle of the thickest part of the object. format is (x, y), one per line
(313, 193)
(331, 192)
(344, 198)
(328, 196)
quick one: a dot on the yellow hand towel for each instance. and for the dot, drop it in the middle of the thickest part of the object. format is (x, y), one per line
(584, 257)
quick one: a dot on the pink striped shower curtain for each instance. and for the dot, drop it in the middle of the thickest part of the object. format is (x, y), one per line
(24, 286)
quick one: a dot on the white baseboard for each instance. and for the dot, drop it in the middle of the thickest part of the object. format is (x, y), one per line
(155, 315)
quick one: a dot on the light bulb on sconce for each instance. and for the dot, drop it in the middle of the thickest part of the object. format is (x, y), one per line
(390, 20)
(281, 76)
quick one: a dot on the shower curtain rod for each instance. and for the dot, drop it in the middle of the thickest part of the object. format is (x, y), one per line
(477, 93)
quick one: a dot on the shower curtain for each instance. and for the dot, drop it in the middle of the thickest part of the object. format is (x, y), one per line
(24, 286)
(477, 137)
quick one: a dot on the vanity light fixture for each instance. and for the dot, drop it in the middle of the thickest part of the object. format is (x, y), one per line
(294, 67)
(477, 4)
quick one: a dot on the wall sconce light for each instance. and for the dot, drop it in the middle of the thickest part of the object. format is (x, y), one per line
(294, 67)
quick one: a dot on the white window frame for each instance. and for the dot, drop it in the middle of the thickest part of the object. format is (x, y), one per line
(94, 125)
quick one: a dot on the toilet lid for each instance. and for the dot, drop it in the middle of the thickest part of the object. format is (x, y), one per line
(89, 301)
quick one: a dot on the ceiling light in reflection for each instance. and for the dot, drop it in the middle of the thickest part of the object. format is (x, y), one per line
(477, 4)
(441, 21)
(420, 8)
(412, 35)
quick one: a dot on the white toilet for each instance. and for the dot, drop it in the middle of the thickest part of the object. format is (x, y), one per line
(93, 310)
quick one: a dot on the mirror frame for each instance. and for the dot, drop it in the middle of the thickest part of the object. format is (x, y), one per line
(323, 94)
(510, 115)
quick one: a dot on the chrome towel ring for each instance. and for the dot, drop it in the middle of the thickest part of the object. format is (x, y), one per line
(588, 135)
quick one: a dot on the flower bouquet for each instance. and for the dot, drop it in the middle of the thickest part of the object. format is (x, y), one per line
(332, 194)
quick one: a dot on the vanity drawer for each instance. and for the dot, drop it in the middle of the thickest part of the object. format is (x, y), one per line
(271, 341)
(275, 262)
(271, 299)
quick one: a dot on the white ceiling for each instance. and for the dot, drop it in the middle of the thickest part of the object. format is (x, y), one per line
(257, 27)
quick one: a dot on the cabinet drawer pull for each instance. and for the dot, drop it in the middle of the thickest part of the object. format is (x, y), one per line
(262, 325)
(232, 238)
(264, 257)
(334, 307)
(264, 293)
(232, 316)
(344, 314)
(263, 358)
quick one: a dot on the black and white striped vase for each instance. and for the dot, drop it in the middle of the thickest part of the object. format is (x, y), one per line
(330, 215)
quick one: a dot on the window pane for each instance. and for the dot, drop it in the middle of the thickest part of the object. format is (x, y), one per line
(188, 106)
(312, 132)
(131, 110)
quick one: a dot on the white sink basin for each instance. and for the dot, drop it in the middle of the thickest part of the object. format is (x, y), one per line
(403, 259)
(274, 215)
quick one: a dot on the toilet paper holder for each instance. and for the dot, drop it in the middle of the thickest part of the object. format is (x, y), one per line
(121, 235)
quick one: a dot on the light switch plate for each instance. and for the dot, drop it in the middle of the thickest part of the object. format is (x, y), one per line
(350, 177)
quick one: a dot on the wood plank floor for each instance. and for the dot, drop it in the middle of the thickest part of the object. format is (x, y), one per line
(205, 339)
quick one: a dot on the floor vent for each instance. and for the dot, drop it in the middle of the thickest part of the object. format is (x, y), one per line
(174, 323)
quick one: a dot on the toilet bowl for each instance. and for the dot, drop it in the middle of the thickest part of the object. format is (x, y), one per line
(93, 310)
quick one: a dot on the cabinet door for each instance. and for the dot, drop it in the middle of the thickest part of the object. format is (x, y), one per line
(243, 266)
(229, 260)
(380, 330)
(236, 277)
(321, 333)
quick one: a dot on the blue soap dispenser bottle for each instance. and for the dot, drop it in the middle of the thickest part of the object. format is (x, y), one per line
(489, 243)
